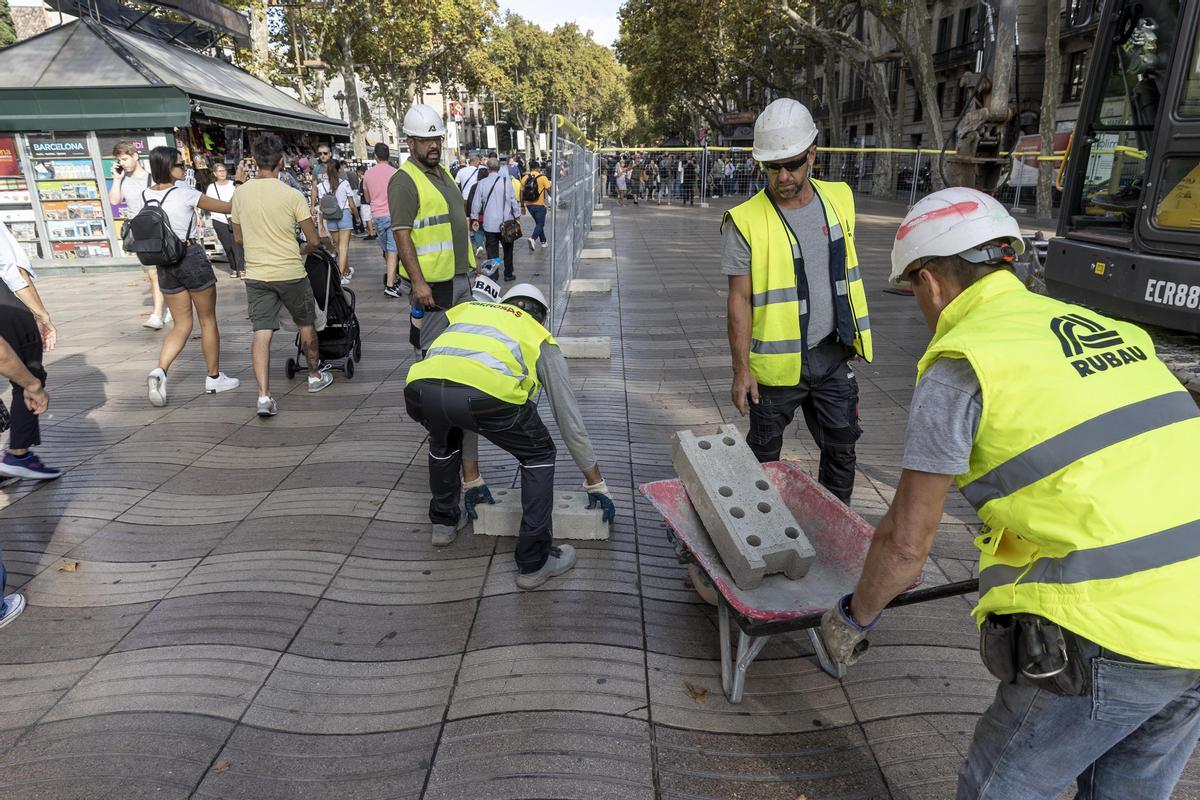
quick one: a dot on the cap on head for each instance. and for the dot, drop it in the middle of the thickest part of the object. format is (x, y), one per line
(528, 297)
(955, 221)
(422, 122)
(784, 129)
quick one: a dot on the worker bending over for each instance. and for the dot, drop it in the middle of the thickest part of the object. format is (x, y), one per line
(797, 307)
(1077, 448)
(481, 376)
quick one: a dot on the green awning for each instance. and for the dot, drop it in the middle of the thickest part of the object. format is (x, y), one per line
(263, 119)
(94, 108)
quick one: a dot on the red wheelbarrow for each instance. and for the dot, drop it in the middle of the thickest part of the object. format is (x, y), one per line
(840, 538)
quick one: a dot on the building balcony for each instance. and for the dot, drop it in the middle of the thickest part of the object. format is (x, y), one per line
(856, 106)
(954, 56)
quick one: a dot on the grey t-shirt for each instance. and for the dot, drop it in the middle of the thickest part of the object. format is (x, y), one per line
(808, 224)
(943, 420)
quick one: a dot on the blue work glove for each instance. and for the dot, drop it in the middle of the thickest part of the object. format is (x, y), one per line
(476, 492)
(598, 496)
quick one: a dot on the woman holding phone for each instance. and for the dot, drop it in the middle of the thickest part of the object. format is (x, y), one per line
(190, 283)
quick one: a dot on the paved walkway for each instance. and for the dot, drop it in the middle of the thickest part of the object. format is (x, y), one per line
(228, 607)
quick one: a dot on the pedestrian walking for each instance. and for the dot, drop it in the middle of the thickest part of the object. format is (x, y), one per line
(651, 180)
(535, 189)
(265, 215)
(493, 206)
(1085, 564)
(335, 202)
(635, 179)
(375, 184)
(797, 306)
(429, 222)
(482, 377)
(468, 175)
(129, 180)
(623, 172)
(688, 172)
(222, 189)
(190, 284)
(26, 331)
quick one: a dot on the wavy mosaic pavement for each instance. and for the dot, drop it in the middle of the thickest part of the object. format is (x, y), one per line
(229, 608)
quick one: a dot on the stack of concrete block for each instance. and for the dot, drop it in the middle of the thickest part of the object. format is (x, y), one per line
(572, 518)
(745, 515)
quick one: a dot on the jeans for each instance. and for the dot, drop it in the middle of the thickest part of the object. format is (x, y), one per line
(446, 409)
(828, 396)
(539, 223)
(1131, 736)
(19, 328)
(493, 251)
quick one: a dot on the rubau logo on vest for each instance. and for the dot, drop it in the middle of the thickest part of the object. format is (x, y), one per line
(1077, 333)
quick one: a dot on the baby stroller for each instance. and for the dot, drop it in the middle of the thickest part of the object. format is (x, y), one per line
(339, 338)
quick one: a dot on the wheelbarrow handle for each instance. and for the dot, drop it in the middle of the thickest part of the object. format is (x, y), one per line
(935, 593)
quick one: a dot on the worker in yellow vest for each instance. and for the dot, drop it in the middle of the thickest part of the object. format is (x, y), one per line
(1077, 447)
(429, 222)
(797, 308)
(481, 377)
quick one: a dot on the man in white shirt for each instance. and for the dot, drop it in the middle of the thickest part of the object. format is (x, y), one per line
(25, 325)
(129, 180)
(468, 175)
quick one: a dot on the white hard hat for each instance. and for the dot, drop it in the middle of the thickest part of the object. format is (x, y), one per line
(956, 221)
(423, 122)
(526, 291)
(784, 129)
(485, 290)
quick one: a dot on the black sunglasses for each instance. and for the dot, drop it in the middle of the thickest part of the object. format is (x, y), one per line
(179, 165)
(790, 166)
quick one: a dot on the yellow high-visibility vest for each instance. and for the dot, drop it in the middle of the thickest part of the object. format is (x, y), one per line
(1084, 470)
(492, 347)
(776, 350)
(432, 234)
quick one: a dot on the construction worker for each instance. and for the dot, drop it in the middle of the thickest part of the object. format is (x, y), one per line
(797, 308)
(429, 223)
(481, 376)
(1077, 447)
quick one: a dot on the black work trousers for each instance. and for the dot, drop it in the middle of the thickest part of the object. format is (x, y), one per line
(19, 328)
(446, 409)
(828, 396)
(493, 244)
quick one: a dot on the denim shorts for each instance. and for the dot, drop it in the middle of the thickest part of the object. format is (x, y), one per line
(383, 229)
(344, 224)
(192, 274)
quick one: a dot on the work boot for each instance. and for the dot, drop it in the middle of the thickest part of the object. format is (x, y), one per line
(561, 559)
(444, 535)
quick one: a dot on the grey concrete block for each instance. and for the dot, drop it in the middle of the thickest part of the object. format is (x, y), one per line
(589, 286)
(604, 234)
(602, 222)
(601, 214)
(746, 518)
(585, 346)
(595, 253)
(572, 518)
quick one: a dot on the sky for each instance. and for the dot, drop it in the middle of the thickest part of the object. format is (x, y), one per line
(599, 16)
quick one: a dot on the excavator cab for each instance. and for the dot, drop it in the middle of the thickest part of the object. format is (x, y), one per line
(1129, 231)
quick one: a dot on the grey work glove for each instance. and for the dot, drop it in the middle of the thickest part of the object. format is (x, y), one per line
(844, 639)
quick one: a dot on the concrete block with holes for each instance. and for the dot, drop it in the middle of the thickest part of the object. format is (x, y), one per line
(572, 518)
(745, 515)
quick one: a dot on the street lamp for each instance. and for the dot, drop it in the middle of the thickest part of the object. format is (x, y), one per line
(341, 101)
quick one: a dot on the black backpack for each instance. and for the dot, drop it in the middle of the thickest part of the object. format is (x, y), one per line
(529, 190)
(149, 236)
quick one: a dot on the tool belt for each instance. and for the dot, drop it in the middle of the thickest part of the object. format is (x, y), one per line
(1041, 651)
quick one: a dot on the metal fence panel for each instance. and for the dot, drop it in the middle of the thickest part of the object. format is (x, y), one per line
(572, 171)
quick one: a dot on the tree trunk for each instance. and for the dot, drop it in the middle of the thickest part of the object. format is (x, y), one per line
(358, 131)
(260, 40)
(1048, 118)
(832, 100)
(301, 91)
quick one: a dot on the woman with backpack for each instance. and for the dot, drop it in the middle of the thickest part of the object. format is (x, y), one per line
(188, 283)
(335, 201)
(222, 189)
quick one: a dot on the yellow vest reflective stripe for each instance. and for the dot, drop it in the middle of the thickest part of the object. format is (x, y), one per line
(491, 347)
(432, 234)
(1083, 470)
(776, 350)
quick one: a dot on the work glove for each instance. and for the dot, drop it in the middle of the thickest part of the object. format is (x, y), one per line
(598, 495)
(476, 492)
(844, 639)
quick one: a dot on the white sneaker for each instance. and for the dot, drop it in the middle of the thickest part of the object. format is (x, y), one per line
(156, 381)
(531, 245)
(545, 245)
(221, 383)
(317, 384)
(480, 253)
(346, 279)
(267, 407)
(11, 608)
(154, 322)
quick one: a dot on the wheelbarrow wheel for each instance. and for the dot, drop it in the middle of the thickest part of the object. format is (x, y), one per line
(703, 586)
